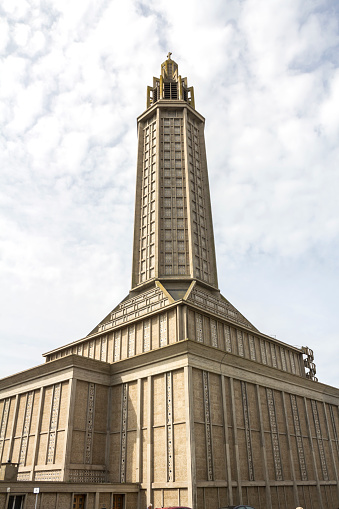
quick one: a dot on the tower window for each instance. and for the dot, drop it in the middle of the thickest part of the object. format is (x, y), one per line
(170, 90)
(174, 90)
(167, 90)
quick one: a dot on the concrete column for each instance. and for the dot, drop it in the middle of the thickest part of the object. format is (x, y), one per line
(149, 441)
(179, 88)
(227, 443)
(185, 322)
(178, 328)
(37, 433)
(108, 430)
(236, 446)
(139, 441)
(161, 86)
(190, 441)
(263, 449)
(69, 428)
(49, 423)
(331, 449)
(313, 454)
(96, 503)
(295, 487)
(15, 418)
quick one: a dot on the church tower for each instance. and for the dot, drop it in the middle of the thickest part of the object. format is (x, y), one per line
(173, 230)
(174, 398)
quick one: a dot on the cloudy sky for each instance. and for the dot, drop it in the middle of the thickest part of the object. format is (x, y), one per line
(73, 80)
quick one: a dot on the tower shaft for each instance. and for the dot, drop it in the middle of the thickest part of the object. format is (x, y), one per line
(173, 230)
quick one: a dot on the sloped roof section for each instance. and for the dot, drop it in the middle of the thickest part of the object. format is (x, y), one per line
(153, 299)
(216, 303)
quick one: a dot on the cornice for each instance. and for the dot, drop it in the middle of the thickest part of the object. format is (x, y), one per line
(169, 104)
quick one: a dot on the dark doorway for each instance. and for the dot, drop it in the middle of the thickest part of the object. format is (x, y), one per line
(16, 502)
(118, 501)
(79, 501)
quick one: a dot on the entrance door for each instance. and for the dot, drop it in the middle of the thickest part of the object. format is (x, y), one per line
(118, 501)
(15, 501)
(79, 501)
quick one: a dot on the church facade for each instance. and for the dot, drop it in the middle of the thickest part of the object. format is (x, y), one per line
(174, 398)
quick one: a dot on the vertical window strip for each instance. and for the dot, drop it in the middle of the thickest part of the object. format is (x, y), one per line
(319, 439)
(103, 350)
(263, 351)
(146, 329)
(169, 425)
(91, 349)
(228, 344)
(273, 355)
(335, 433)
(131, 341)
(123, 433)
(146, 261)
(252, 348)
(89, 423)
(240, 343)
(4, 421)
(214, 334)
(163, 330)
(283, 359)
(53, 423)
(173, 191)
(117, 340)
(298, 437)
(208, 426)
(274, 434)
(292, 363)
(25, 431)
(202, 266)
(247, 431)
(199, 328)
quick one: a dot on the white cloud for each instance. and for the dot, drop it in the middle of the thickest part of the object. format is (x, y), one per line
(73, 80)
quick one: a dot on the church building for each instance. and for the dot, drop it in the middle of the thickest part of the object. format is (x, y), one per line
(174, 398)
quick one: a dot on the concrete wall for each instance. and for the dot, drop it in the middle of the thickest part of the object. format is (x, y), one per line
(191, 425)
(275, 448)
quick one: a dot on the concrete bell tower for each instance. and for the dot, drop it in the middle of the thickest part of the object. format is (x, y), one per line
(174, 398)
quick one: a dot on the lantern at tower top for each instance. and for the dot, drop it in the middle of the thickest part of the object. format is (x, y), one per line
(170, 85)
